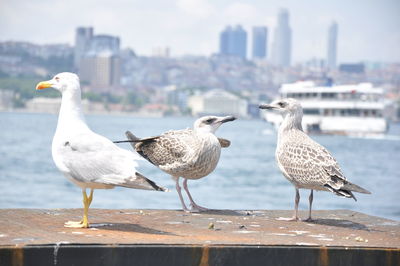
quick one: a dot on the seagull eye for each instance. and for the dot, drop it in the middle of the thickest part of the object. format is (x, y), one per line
(210, 120)
(282, 104)
(57, 79)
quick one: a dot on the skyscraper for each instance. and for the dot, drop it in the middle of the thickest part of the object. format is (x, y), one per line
(83, 38)
(332, 45)
(101, 43)
(259, 42)
(224, 37)
(97, 59)
(233, 41)
(239, 42)
(282, 45)
(102, 71)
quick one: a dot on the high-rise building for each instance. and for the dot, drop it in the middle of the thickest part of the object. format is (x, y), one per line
(233, 41)
(83, 38)
(97, 59)
(224, 38)
(282, 43)
(88, 43)
(159, 51)
(259, 42)
(239, 42)
(332, 45)
(102, 71)
(101, 43)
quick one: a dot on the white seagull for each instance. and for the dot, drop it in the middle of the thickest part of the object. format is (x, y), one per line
(89, 160)
(304, 162)
(188, 153)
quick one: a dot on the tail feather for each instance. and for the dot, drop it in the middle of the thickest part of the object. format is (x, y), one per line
(134, 139)
(139, 181)
(338, 181)
(151, 183)
(131, 137)
(341, 192)
(355, 188)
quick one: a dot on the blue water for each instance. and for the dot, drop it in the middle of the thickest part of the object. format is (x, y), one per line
(246, 178)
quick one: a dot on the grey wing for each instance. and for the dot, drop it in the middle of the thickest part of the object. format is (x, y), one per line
(170, 148)
(93, 158)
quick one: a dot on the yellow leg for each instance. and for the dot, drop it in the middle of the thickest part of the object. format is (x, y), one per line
(84, 223)
(91, 196)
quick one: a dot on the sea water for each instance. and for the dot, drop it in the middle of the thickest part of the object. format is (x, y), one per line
(246, 177)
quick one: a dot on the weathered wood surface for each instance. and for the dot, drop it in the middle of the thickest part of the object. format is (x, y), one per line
(338, 228)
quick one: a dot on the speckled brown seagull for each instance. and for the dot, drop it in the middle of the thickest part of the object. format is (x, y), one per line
(304, 162)
(189, 153)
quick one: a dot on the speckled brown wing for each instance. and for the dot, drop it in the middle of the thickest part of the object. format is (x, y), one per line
(309, 164)
(169, 148)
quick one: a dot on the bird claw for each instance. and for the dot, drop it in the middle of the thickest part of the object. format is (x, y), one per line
(187, 210)
(73, 224)
(292, 219)
(197, 208)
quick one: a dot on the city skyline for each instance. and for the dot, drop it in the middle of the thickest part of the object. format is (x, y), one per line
(369, 29)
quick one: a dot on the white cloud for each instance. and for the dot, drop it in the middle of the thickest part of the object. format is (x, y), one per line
(197, 8)
(241, 13)
(247, 15)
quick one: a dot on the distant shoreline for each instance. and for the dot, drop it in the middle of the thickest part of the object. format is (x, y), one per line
(113, 113)
(118, 113)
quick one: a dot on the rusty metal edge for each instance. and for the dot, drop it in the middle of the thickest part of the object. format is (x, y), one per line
(145, 254)
(193, 245)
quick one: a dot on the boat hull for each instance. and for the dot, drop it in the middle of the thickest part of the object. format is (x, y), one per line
(336, 125)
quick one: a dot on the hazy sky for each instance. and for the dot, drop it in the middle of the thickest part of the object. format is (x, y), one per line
(368, 29)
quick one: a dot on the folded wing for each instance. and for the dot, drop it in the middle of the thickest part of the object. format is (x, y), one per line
(167, 150)
(312, 165)
(91, 158)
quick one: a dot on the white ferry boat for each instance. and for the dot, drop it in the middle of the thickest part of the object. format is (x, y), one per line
(345, 109)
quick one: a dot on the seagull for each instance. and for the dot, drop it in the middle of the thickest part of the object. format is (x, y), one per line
(188, 153)
(87, 159)
(304, 162)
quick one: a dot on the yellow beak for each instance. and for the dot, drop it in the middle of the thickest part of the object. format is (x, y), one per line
(43, 85)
